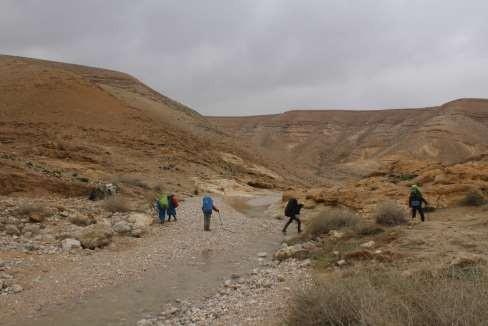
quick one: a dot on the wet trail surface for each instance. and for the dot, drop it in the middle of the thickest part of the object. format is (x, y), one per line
(204, 261)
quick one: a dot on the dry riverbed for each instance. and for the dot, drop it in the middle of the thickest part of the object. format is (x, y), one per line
(137, 278)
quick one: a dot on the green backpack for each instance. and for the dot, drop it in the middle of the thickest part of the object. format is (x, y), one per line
(163, 201)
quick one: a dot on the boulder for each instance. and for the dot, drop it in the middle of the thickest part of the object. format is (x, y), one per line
(11, 229)
(96, 236)
(37, 217)
(122, 227)
(69, 244)
(140, 219)
(103, 191)
(296, 251)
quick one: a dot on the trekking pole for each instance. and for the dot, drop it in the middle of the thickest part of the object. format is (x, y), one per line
(221, 221)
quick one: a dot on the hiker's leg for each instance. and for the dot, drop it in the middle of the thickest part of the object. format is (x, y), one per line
(299, 224)
(287, 223)
(162, 215)
(414, 212)
(206, 222)
(422, 216)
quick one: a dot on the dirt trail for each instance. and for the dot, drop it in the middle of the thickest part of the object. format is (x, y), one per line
(447, 234)
(177, 261)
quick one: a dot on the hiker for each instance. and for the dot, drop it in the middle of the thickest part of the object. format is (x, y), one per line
(172, 205)
(292, 211)
(162, 204)
(208, 207)
(415, 202)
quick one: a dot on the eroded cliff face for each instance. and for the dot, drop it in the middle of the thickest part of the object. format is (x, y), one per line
(330, 144)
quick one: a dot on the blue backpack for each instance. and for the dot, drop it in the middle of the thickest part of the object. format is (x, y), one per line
(207, 205)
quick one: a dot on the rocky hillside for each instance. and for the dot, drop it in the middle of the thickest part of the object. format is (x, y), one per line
(66, 127)
(356, 158)
(333, 143)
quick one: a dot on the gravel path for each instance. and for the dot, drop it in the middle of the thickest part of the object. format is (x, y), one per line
(136, 277)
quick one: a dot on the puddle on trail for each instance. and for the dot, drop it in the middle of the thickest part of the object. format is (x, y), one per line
(126, 304)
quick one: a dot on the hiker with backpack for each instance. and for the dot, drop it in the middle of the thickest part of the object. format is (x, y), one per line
(172, 205)
(207, 208)
(162, 205)
(292, 210)
(415, 201)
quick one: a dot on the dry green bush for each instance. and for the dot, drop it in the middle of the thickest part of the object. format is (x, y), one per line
(473, 198)
(368, 229)
(331, 219)
(132, 181)
(387, 298)
(36, 212)
(116, 204)
(390, 214)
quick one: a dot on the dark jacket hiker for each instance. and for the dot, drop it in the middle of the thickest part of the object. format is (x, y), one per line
(415, 201)
(292, 209)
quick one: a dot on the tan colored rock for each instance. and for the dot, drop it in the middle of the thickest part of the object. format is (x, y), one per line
(96, 236)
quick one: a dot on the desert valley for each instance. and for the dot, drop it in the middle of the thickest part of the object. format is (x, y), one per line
(84, 153)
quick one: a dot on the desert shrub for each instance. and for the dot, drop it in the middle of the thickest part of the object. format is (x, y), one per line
(387, 298)
(473, 198)
(331, 219)
(390, 214)
(116, 204)
(36, 212)
(132, 181)
(368, 229)
(27, 209)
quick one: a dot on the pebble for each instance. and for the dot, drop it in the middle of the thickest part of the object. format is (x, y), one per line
(341, 262)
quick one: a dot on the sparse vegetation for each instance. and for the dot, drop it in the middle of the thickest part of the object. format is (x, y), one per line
(132, 181)
(116, 204)
(35, 211)
(388, 298)
(368, 229)
(390, 214)
(331, 219)
(29, 208)
(473, 198)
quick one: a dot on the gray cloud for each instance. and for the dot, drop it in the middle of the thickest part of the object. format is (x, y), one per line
(262, 56)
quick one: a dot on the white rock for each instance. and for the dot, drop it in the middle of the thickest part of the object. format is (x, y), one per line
(69, 244)
(122, 227)
(336, 234)
(341, 262)
(368, 244)
(228, 283)
(140, 219)
(262, 254)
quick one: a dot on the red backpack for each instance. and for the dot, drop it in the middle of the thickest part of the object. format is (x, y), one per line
(174, 201)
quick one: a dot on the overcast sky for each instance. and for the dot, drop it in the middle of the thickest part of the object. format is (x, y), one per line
(246, 57)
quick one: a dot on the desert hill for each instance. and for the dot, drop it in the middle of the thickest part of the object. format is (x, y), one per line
(357, 154)
(65, 127)
(356, 142)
